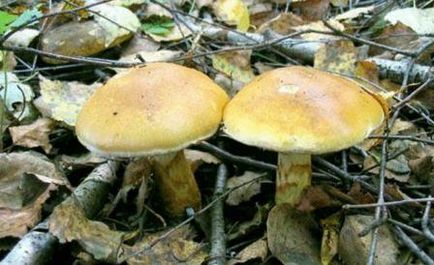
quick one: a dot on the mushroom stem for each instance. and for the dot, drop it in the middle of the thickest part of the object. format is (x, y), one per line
(176, 183)
(293, 176)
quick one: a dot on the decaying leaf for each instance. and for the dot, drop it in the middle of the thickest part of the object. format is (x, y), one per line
(17, 97)
(87, 160)
(178, 32)
(198, 158)
(420, 20)
(33, 135)
(338, 57)
(69, 223)
(177, 248)
(149, 57)
(246, 228)
(330, 237)
(235, 65)
(315, 197)
(397, 35)
(354, 249)
(249, 185)
(283, 24)
(311, 10)
(319, 26)
(26, 180)
(256, 250)
(290, 236)
(355, 12)
(233, 12)
(62, 101)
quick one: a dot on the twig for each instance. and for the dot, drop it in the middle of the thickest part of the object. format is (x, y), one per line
(412, 246)
(392, 203)
(36, 246)
(218, 237)
(425, 220)
(222, 154)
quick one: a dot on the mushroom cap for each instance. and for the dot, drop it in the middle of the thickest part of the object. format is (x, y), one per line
(155, 109)
(302, 110)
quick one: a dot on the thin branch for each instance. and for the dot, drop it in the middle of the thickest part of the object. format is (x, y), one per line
(217, 254)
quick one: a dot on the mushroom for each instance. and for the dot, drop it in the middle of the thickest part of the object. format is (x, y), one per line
(299, 111)
(155, 111)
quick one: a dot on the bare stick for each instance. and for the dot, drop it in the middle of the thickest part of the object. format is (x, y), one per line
(218, 236)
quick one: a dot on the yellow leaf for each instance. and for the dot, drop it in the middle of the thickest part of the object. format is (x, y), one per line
(233, 12)
(235, 65)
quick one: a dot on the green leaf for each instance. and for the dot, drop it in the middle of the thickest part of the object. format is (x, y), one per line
(158, 25)
(26, 17)
(5, 20)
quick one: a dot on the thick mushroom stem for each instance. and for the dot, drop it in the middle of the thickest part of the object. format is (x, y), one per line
(293, 176)
(176, 183)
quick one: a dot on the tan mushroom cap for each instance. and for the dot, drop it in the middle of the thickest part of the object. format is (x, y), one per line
(155, 109)
(302, 110)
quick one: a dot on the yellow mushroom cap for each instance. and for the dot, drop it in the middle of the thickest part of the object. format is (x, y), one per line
(302, 110)
(155, 109)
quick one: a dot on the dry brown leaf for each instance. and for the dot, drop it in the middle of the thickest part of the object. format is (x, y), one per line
(197, 158)
(311, 10)
(359, 195)
(354, 249)
(69, 223)
(290, 236)
(177, 248)
(398, 36)
(26, 180)
(16, 222)
(245, 191)
(33, 135)
(283, 24)
(246, 228)
(316, 198)
(256, 250)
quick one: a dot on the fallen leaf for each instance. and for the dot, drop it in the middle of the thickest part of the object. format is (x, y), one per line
(149, 57)
(354, 249)
(290, 236)
(62, 101)
(319, 26)
(26, 180)
(22, 38)
(33, 135)
(140, 43)
(420, 20)
(355, 12)
(337, 57)
(249, 185)
(315, 197)
(69, 223)
(256, 250)
(198, 158)
(177, 248)
(233, 12)
(17, 97)
(330, 237)
(398, 36)
(122, 22)
(236, 65)
(248, 227)
(283, 24)
(75, 162)
(311, 10)
(178, 32)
